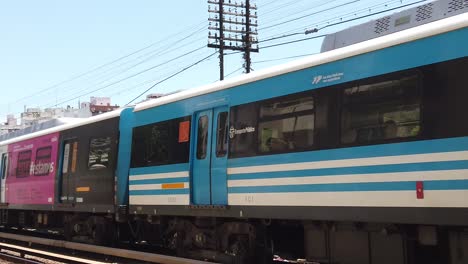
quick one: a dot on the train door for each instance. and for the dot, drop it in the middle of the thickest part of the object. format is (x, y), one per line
(3, 174)
(69, 164)
(209, 176)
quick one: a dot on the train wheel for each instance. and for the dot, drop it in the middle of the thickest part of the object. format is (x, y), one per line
(100, 230)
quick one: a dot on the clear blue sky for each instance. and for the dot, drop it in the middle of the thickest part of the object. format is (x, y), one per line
(44, 43)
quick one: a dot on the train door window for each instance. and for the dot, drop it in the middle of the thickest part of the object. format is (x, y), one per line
(66, 157)
(99, 152)
(381, 111)
(202, 140)
(222, 135)
(286, 124)
(23, 163)
(42, 164)
(4, 165)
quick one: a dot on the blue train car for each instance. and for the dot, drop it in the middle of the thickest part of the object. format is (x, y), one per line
(359, 153)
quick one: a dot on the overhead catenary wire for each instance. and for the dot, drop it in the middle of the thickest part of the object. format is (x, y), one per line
(373, 14)
(333, 24)
(171, 76)
(131, 76)
(311, 14)
(285, 58)
(312, 29)
(271, 39)
(83, 92)
(78, 76)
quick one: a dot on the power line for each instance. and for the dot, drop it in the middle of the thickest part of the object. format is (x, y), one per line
(98, 67)
(288, 33)
(131, 76)
(169, 77)
(338, 23)
(314, 13)
(294, 41)
(285, 58)
(141, 62)
(380, 12)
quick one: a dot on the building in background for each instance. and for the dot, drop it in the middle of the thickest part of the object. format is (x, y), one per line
(34, 116)
(10, 125)
(101, 105)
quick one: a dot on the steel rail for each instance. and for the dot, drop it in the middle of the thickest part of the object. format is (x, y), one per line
(115, 252)
(15, 259)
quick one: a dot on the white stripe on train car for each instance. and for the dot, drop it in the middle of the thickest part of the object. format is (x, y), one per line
(176, 199)
(355, 178)
(436, 198)
(166, 175)
(386, 160)
(159, 186)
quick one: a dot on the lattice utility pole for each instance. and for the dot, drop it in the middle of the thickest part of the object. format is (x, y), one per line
(235, 22)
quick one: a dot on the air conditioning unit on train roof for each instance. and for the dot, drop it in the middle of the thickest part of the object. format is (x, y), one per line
(409, 18)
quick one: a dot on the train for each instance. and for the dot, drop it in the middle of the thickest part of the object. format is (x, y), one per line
(358, 154)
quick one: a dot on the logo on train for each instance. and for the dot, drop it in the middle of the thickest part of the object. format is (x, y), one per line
(317, 79)
(233, 131)
(327, 78)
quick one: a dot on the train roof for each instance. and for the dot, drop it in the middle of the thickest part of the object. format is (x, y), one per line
(66, 126)
(38, 127)
(408, 35)
(398, 21)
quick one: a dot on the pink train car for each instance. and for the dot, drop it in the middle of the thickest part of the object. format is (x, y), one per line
(32, 168)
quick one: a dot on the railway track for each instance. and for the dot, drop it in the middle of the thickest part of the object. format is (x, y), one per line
(69, 252)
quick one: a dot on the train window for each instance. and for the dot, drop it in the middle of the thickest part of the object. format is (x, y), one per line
(4, 165)
(160, 143)
(99, 153)
(23, 163)
(381, 111)
(286, 124)
(202, 139)
(242, 130)
(279, 125)
(222, 135)
(66, 158)
(43, 164)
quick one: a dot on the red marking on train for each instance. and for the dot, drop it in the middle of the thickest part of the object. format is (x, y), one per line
(419, 190)
(184, 131)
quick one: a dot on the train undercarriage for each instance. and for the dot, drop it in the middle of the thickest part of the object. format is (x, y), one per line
(228, 240)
